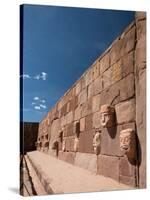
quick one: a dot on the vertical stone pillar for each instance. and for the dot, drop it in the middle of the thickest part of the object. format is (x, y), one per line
(140, 86)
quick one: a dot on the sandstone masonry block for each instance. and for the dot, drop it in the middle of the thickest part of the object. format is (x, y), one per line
(90, 90)
(104, 63)
(125, 111)
(78, 88)
(82, 96)
(96, 103)
(97, 86)
(69, 117)
(86, 161)
(108, 166)
(126, 168)
(96, 120)
(77, 113)
(67, 156)
(96, 70)
(87, 108)
(88, 77)
(88, 122)
(86, 142)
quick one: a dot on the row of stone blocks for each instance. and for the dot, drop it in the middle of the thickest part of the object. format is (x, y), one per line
(117, 168)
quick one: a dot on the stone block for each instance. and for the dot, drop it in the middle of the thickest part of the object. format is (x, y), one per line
(86, 142)
(115, 73)
(97, 86)
(67, 156)
(90, 90)
(88, 122)
(87, 108)
(107, 78)
(125, 111)
(127, 180)
(104, 63)
(122, 46)
(96, 120)
(78, 88)
(96, 70)
(69, 117)
(126, 168)
(73, 103)
(77, 113)
(69, 130)
(108, 166)
(88, 77)
(86, 161)
(82, 96)
(96, 103)
(127, 87)
(63, 121)
(64, 110)
(82, 124)
(69, 144)
(127, 64)
(110, 143)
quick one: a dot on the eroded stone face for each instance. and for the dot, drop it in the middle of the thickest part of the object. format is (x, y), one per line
(107, 115)
(97, 143)
(128, 142)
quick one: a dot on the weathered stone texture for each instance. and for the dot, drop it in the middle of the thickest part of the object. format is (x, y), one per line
(96, 120)
(85, 142)
(67, 156)
(96, 103)
(104, 63)
(108, 166)
(122, 46)
(87, 161)
(125, 111)
(97, 86)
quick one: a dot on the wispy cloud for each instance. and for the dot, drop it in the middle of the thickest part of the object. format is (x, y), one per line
(38, 103)
(36, 98)
(37, 107)
(25, 76)
(41, 76)
(43, 106)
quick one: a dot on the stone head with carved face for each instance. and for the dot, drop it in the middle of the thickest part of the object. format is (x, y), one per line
(128, 142)
(107, 115)
(97, 142)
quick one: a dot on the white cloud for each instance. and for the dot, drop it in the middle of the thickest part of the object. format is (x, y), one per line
(42, 76)
(36, 98)
(37, 107)
(43, 101)
(43, 106)
(33, 103)
(25, 76)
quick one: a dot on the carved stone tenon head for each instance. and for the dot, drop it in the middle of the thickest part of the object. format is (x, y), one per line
(128, 142)
(107, 115)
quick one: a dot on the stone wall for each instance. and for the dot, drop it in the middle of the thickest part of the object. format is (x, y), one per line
(112, 89)
(28, 136)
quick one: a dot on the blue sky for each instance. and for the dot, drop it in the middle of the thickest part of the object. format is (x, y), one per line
(59, 44)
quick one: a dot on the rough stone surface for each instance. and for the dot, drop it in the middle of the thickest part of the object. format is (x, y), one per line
(104, 63)
(96, 103)
(97, 86)
(86, 142)
(96, 120)
(67, 156)
(86, 161)
(125, 112)
(82, 96)
(108, 166)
